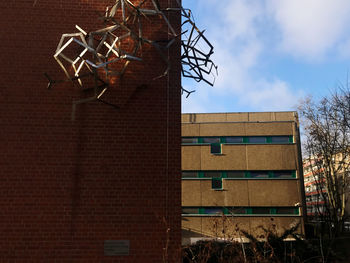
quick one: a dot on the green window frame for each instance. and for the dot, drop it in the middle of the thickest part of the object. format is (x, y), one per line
(272, 139)
(189, 174)
(257, 139)
(239, 174)
(241, 211)
(233, 139)
(189, 140)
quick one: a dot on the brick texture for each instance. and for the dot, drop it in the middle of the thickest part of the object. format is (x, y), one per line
(112, 174)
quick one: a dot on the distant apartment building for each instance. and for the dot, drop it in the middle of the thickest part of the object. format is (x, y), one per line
(316, 195)
(240, 171)
(315, 203)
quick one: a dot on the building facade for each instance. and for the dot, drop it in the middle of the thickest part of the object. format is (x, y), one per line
(315, 203)
(240, 171)
(319, 210)
(101, 188)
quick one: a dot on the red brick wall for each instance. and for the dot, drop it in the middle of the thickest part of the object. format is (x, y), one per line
(112, 174)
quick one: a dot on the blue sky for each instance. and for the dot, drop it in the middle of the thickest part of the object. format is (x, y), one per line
(270, 53)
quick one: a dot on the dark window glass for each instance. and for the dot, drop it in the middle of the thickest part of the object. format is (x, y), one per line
(186, 174)
(190, 210)
(189, 140)
(235, 174)
(257, 139)
(237, 210)
(215, 148)
(213, 211)
(259, 174)
(261, 210)
(212, 174)
(216, 183)
(286, 210)
(280, 139)
(283, 174)
(234, 139)
(211, 140)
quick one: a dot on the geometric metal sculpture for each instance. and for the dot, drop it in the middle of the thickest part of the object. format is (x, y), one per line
(107, 52)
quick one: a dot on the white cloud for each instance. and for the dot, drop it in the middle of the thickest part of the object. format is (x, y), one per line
(343, 49)
(270, 96)
(309, 28)
(237, 34)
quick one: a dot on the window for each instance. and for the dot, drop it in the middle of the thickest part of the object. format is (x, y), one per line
(235, 174)
(234, 139)
(284, 174)
(215, 148)
(237, 210)
(189, 174)
(280, 139)
(259, 174)
(287, 210)
(211, 140)
(260, 210)
(216, 183)
(257, 139)
(244, 211)
(189, 140)
(190, 210)
(213, 211)
(212, 174)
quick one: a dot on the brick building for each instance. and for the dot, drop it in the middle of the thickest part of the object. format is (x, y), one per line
(240, 171)
(70, 190)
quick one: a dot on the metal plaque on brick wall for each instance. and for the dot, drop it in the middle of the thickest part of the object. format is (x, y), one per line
(116, 247)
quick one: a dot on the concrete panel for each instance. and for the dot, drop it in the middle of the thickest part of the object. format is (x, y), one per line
(191, 157)
(277, 224)
(233, 158)
(185, 118)
(227, 227)
(189, 129)
(212, 117)
(200, 193)
(285, 116)
(211, 197)
(239, 116)
(273, 192)
(236, 192)
(191, 193)
(271, 157)
(290, 156)
(222, 129)
(213, 226)
(269, 128)
(231, 227)
(192, 223)
(261, 116)
(285, 223)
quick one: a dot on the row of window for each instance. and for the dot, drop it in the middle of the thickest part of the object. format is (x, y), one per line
(239, 174)
(240, 211)
(237, 139)
(314, 198)
(316, 209)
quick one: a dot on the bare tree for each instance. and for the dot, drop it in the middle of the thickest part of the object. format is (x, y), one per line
(327, 149)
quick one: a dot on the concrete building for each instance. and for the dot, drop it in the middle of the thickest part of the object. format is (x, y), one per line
(240, 171)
